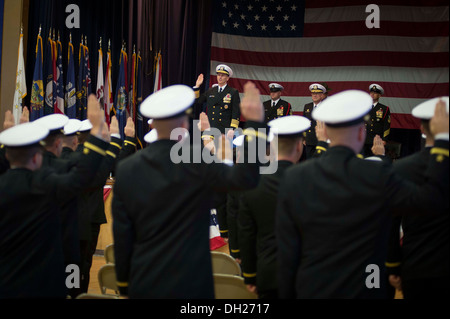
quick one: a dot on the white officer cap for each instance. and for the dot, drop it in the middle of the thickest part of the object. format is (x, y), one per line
(72, 127)
(376, 88)
(168, 102)
(54, 123)
(151, 137)
(224, 69)
(344, 109)
(86, 126)
(317, 88)
(275, 87)
(289, 125)
(24, 135)
(425, 110)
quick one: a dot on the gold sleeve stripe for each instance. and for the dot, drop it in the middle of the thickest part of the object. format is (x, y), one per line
(116, 145)
(2, 146)
(94, 148)
(128, 142)
(234, 123)
(392, 265)
(235, 251)
(122, 284)
(320, 148)
(223, 231)
(255, 134)
(439, 151)
(249, 275)
(360, 156)
(197, 94)
(111, 154)
(386, 133)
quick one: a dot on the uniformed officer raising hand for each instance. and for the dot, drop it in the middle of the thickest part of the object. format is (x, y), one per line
(31, 252)
(222, 101)
(419, 264)
(151, 261)
(333, 215)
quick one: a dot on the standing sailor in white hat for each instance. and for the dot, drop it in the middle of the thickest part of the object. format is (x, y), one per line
(222, 101)
(276, 107)
(319, 92)
(157, 202)
(420, 266)
(379, 122)
(32, 255)
(334, 213)
(258, 207)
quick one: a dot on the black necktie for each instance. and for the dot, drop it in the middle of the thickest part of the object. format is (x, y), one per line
(273, 104)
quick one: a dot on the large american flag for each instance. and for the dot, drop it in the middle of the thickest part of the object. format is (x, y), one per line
(297, 43)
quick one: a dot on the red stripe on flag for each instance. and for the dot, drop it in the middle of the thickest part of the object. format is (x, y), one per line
(392, 89)
(387, 28)
(404, 121)
(324, 59)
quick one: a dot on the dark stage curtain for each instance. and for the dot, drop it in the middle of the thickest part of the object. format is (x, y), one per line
(180, 29)
(99, 18)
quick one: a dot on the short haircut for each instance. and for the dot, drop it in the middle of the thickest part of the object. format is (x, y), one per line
(286, 145)
(51, 139)
(20, 156)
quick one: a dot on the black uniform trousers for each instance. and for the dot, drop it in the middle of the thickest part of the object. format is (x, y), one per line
(256, 224)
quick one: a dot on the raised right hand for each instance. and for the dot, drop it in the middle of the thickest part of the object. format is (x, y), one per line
(9, 120)
(439, 122)
(95, 115)
(251, 106)
(200, 80)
